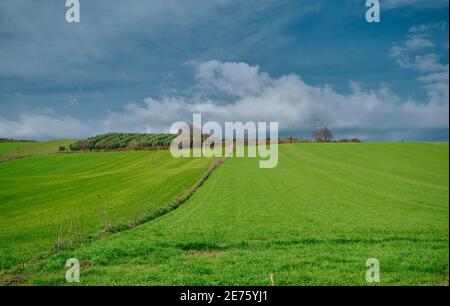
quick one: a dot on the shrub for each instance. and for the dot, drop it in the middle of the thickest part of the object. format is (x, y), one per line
(115, 141)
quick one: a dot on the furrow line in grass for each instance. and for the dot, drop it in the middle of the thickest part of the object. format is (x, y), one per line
(10, 276)
(365, 188)
(174, 204)
(378, 173)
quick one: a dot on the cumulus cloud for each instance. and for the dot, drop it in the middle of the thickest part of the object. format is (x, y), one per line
(43, 126)
(237, 79)
(290, 101)
(259, 97)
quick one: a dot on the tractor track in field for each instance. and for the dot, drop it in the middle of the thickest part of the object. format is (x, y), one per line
(13, 276)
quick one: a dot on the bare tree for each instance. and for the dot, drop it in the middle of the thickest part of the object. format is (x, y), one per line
(326, 134)
(323, 134)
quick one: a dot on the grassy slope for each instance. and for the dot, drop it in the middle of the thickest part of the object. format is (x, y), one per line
(315, 219)
(76, 191)
(6, 147)
(13, 150)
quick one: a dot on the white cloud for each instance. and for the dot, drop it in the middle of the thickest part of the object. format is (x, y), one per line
(258, 97)
(434, 73)
(414, 52)
(440, 77)
(238, 79)
(422, 63)
(441, 25)
(428, 63)
(43, 126)
(418, 42)
(414, 43)
(288, 100)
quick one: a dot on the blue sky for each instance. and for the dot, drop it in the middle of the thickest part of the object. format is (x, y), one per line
(141, 65)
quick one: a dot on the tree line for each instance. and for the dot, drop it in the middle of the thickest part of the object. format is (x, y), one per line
(137, 141)
(117, 141)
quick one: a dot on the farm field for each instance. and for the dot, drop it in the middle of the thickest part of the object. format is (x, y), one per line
(313, 220)
(51, 201)
(13, 150)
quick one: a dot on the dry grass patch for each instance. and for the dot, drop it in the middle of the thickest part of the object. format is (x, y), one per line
(206, 253)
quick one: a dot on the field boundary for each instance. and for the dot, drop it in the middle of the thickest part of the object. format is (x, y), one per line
(12, 276)
(172, 205)
(8, 158)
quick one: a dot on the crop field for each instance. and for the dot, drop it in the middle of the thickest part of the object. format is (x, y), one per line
(315, 219)
(13, 150)
(47, 202)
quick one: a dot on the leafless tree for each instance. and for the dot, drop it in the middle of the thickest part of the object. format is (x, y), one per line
(323, 134)
(326, 134)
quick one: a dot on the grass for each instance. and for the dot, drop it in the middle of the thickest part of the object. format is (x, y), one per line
(14, 150)
(51, 202)
(313, 220)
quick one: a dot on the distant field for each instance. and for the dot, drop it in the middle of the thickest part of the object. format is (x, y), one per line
(13, 150)
(71, 196)
(313, 220)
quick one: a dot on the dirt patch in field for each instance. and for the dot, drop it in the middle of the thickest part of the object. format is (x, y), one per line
(10, 280)
(205, 253)
(85, 265)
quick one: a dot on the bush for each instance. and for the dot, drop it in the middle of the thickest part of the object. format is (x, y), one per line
(116, 141)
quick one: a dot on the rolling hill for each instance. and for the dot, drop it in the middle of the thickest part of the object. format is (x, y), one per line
(50, 202)
(313, 220)
(13, 150)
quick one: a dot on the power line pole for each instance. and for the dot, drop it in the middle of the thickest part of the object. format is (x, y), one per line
(317, 123)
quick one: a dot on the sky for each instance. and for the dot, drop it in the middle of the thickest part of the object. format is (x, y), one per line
(139, 66)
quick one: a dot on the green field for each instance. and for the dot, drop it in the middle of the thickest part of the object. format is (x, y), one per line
(313, 220)
(51, 201)
(14, 150)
